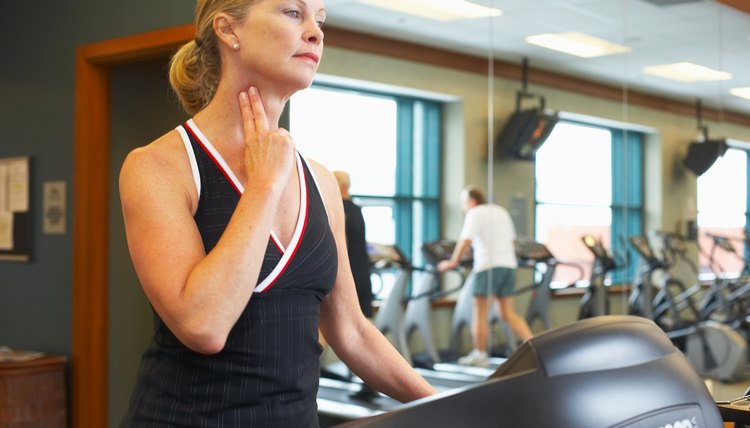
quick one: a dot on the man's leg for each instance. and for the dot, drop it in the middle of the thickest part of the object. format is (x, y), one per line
(479, 325)
(517, 323)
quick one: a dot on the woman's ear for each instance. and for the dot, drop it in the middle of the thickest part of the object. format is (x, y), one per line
(224, 29)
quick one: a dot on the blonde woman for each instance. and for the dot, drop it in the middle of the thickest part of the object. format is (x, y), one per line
(239, 242)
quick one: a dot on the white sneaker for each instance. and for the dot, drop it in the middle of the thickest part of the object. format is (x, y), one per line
(475, 358)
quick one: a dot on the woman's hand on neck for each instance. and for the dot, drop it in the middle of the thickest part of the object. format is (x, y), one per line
(222, 115)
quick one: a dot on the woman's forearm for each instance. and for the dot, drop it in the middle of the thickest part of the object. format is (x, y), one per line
(382, 367)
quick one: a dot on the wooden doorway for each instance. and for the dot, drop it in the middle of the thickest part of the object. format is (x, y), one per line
(94, 64)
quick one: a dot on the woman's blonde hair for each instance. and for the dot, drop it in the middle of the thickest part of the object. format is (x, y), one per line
(195, 68)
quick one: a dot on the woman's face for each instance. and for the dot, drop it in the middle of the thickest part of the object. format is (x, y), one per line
(281, 42)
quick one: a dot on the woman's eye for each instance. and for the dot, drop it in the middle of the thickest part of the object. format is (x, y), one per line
(320, 24)
(293, 13)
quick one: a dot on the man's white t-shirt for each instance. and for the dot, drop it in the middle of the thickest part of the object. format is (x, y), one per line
(490, 229)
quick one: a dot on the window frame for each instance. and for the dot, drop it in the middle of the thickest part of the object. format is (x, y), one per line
(628, 194)
(710, 275)
(415, 135)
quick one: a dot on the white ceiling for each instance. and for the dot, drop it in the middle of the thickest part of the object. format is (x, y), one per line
(700, 31)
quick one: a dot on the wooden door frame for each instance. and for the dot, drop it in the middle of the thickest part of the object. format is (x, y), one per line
(94, 64)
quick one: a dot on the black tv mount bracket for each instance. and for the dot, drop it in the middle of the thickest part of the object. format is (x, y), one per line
(699, 116)
(524, 93)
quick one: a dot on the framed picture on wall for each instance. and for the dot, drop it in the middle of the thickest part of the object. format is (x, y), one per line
(15, 209)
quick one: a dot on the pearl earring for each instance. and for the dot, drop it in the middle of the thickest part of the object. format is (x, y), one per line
(236, 46)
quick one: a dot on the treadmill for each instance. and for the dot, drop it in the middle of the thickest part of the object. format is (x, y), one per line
(615, 371)
(337, 402)
(531, 255)
(391, 320)
(537, 257)
(342, 396)
(435, 252)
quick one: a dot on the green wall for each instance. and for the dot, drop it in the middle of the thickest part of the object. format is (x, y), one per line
(37, 80)
(36, 113)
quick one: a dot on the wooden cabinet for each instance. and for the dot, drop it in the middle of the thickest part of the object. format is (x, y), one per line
(33, 393)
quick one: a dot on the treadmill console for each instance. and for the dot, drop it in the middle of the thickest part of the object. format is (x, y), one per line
(385, 255)
(437, 251)
(609, 371)
(529, 251)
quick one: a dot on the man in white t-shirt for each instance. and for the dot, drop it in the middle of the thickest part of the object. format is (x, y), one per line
(488, 230)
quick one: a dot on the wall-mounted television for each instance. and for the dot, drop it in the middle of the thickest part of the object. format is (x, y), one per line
(702, 154)
(524, 132)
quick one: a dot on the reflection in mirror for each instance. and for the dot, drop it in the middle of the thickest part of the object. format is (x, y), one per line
(613, 165)
(612, 95)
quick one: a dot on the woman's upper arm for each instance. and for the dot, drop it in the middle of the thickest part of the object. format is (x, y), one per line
(162, 237)
(199, 296)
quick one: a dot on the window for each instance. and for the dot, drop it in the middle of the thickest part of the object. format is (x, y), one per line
(588, 181)
(390, 146)
(723, 212)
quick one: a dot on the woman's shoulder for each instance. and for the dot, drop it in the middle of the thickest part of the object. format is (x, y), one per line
(327, 184)
(162, 164)
(323, 176)
(161, 154)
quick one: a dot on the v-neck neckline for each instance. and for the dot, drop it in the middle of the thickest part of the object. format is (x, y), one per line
(286, 252)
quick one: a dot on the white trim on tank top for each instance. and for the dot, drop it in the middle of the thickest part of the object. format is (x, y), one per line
(191, 155)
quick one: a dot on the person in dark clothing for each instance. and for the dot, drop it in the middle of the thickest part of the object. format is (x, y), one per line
(356, 244)
(239, 242)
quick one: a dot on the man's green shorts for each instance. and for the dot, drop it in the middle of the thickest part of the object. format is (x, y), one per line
(500, 281)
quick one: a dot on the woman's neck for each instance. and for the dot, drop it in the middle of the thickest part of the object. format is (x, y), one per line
(222, 116)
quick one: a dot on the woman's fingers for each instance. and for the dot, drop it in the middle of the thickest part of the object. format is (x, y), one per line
(268, 153)
(259, 112)
(253, 113)
(248, 123)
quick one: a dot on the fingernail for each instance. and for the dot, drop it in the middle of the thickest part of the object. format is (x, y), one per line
(253, 90)
(243, 95)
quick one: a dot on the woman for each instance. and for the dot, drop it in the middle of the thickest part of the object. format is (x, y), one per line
(239, 242)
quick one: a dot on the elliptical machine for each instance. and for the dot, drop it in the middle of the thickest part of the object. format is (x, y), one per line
(595, 301)
(643, 289)
(714, 349)
(728, 299)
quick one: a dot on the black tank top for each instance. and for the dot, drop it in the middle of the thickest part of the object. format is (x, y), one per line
(267, 374)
